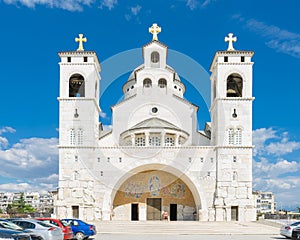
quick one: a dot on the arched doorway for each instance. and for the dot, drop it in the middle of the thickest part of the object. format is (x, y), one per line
(145, 195)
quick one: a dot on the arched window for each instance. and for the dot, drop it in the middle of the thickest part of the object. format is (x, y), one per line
(238, 136)
(162, 83)
(80, 136)
(72, 137)
(147, 83)
(155, 57)
(230, 132)
(76, 86)
(234, 86)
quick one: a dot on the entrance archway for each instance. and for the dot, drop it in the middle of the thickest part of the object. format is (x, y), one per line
(146, 194)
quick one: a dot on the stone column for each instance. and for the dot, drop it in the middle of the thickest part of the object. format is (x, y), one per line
(132, 139)
(147, 139)
(227, 213)
(203, 215)
(219, 213)
(163, 134)
(177, 140)
(241, 213)
(106, 215)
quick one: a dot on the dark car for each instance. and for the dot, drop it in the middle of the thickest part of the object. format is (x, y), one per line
(13, 234)
(296, 233)
(81, 229)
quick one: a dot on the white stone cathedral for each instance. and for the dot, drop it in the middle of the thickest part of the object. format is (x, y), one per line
(154, 159)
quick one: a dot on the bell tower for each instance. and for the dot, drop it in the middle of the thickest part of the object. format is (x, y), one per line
(78, 126)
(231, 115)
(79, 97)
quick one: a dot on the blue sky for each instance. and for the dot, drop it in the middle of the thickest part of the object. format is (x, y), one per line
(34, 31)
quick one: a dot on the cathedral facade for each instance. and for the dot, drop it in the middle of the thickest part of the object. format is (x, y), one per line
(154, 159)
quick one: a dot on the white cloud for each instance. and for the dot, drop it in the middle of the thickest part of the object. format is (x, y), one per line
(260, 136)
(70, 5)
(271, 172)
(192, 4)
(103, 115)
(107, 127)
(3, 142)
(207, 2)
(279, 146)
(15, 187)
(110, 4)
(32, 160)
(7, 130)
(276, 38)
(266, 169)
(134, 11)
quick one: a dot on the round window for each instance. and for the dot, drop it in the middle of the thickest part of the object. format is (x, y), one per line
(154, 110)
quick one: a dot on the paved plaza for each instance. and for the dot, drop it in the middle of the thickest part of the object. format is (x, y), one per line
(186, 230)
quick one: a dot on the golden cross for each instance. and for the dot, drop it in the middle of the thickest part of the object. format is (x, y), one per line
(154, 29)
(80, 40)
(230, 40)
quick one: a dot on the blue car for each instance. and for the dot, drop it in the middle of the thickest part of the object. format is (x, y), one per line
(81, 229)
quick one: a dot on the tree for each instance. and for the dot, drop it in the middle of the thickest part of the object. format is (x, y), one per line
(19, 206)
(298, 209)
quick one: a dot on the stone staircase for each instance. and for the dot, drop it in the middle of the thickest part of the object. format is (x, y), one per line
(186, 228)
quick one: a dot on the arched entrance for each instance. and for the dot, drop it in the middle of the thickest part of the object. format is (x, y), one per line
(145, 195)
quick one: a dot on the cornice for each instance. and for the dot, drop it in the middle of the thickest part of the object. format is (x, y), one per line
(76, 53)
(185, 101)
(123, 101)
(234, 147)
(248, 53)
(78, 99)
(81, 53)
(230, 99)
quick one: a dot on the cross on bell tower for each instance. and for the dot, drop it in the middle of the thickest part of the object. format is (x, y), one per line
(80, 40)
(154, 29)
(230, 41)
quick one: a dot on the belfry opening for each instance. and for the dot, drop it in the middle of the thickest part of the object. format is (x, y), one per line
(147, 195)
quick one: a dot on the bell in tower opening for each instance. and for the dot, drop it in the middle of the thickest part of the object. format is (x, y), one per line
(234, 86)
(76, 86)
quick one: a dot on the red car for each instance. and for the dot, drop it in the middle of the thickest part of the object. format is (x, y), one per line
(67, 230)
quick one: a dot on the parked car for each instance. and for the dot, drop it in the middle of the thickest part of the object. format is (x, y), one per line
(45, 230)
(10, 225)
(81, 229)
(296, 233)
(287, 230)
(6, 233)
(67, 230)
